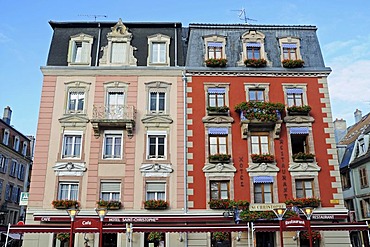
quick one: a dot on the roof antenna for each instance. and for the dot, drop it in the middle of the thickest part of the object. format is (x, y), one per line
(95, 16)
(243, 15)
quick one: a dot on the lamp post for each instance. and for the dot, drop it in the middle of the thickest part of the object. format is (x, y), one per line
(279, 212)
(129, 233)
(72, 212)
(102, 212)
(308, 211)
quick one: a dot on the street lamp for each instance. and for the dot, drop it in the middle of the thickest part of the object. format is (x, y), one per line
(129, 233)
(279, 212)
(308, 211)
(72, 212)
(102, 212)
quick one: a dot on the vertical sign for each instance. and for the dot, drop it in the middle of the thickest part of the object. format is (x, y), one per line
(23, 201)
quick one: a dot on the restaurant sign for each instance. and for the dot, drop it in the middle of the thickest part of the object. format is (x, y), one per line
(265, 206)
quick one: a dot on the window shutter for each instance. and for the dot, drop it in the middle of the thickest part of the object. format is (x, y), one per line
(118, 52)
(111, 187)
(85, 52)
(155, 186)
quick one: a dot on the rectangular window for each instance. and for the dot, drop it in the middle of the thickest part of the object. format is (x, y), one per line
(8, 192)
(158, 52)
(220, 190)
(68, 191)
(216, 97)
(72, 145)
(290, 51)
(217, 144)
(156, 146)
(76, 101)
(6, 137)
(80, 53)
(1, 188)
(260, 143)
(253, 50)
(345, 179)
(157, 102)
(16, 143)
(256, 95)
(299, 140)
(365, 208)
(155, 191)
(115, 103)
(112, 146)
(110, 191)
(295, 96)
(363, 177)
(3, 164)
(13, 168)
(215, 49)
(118, 54)
(263, 192)
(304, 188)
(24, 149)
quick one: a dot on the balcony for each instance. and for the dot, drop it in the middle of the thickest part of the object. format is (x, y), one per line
(118, 116)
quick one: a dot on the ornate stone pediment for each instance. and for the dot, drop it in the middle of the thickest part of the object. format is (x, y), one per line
(157, 119)
(304, 167)
(253, 125)
(70, 169)
(219, 167)
(156, 170)
(217, 119)
(262, 167)
(74, 120)
(299, 119)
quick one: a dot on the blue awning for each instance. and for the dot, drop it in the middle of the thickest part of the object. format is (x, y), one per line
(290, 45)
(347, 155)
(216, 90)
(218, 131)
(214, 44)
(263, 179)
(299, 130)
(294, 91)
(253, 44)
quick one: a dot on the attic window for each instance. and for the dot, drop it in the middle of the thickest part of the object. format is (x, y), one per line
(363, 144)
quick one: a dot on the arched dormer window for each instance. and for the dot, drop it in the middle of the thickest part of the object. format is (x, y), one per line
(214, 47)
(253, 43)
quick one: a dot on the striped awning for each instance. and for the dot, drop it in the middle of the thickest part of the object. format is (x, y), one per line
(253, 44)
(289, 45)
(294, 91)
(214, 44)
(263, 179)
(218, 131)
(216, 90)
(299, 130)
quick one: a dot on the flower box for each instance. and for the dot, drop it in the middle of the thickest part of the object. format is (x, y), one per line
(262, 111)
(299, 110)
(65, 204)
(156, 204)
(304, 202)
(290, 63)
(262, 158)
(257, 63)
(219, 158)
(303, 157)
(220, 203)
(112, 205)
(220, 236)
(315, 235)
(218, 110)
(154, 237)
(216, 62)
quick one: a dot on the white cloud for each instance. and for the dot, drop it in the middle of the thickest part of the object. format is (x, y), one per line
(4, 38)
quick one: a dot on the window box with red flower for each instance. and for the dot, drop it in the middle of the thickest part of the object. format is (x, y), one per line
(304, 202)
(303, 157)
(290, 63)
(315, 235)
(218, 110)
(257, 63)
(112, 205)
(219, 158)
(262, 158)
(65, 204)
(156, 204)
(302, 110)
(216, 62)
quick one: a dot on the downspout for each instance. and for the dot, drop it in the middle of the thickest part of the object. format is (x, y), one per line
(176, 46)
(184, 79)
(98, 46)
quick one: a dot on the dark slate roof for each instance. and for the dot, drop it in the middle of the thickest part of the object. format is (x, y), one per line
(310, 47)
(347, 156)
(140, 31)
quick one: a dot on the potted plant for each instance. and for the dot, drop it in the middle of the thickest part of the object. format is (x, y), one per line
(299, 110)
(216, 62)
(62, 236)
(262, 158)
(220, 236)
(154, 237)
(261, 111)
(255, 62)
(156, 204)
(305, 157)
(220, 203)
(290, 63)
(65, 204)
(217, 110)
(304, 202)
(223, 158)
(113, 205)
(315, 235)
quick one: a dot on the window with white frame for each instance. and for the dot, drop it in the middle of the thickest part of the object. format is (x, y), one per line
(76, 101)
(304, 188)
(299, 137)
(110, 191)
(364, 182)
(256, 94)
(217, 139)
(80, 49)
(156, 144)
(362, 145)
(157, 102)
(118, 53)
(220, 190)
(24, 148)
(260, 143)
(112, 145)
(68, 191)
(72, 144)
(214, 47)
(115, 103)
(216, 97)
(294, 96)
(6, 137)
(16, 143)
(158, 93)
(290, 48)
(159, 47)
(155, 191)
(3, 164)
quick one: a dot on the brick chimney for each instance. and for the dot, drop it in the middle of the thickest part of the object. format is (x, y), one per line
(7, 115)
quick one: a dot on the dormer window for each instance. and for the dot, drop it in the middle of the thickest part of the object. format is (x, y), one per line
(159, 50)
(6, 137)
(290, 48)
(80, 49)
(253, 50)
(214, 47)
(362, 144)
(253, 43)
(16, 143)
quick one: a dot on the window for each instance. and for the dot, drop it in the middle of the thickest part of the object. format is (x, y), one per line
(263, 193)
(76, 100)
(14, 194)
(119, 53)
(24, 149)
(21, 172)
(256, 95)
(365, 208)
(159, 49)
(8, 192)
(1, 188)
(363, 177)
(157, 102)
(216, 97)
(214, 49)
(217, 142)
(115, 103)
(112, 145)
(260, 143)
(3, 164)
(68, 191)
(110, 191)
(253, 50)
(220, 190)
(72, 145)
(253, 46)
(155, 191)
(6, 137)
(16, 143)
(346, 180)
(290, 51)
(294, 96)
(299, 140)
(156, 145)
(304, 188)
(80, 49)
(13, 168)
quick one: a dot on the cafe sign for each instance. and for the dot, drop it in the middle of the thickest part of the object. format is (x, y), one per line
(265, 206)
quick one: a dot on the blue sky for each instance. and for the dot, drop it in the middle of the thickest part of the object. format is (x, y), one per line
(25, 34)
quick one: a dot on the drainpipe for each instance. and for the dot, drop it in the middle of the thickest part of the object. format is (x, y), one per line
(175, 45)
(184, 79)
(98, 46)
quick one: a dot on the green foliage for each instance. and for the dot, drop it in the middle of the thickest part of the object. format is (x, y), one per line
(155, 204)
(220, 157)
(290, 63)
(154, 236)
(255, 62)
(303, 109)
(216, 62)
(263, 111)
(303, 156)
(262, 158)
(220, 236)
(65, 204)
(304, 202)
(218, 108)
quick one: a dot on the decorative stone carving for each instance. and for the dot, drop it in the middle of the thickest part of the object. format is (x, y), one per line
(262, 167)
(156, 170)
(70, 169)
(219, 167)
(304, 167)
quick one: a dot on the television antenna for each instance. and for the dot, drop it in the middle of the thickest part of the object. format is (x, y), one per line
(243, 15)
(95, 16)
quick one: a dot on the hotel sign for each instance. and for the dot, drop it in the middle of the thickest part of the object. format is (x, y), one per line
(265, 206)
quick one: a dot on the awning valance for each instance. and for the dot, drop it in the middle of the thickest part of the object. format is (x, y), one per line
(289, 45)
(299, 130)
(218, 131)
(216, 90)
(263, 179)
(294, 90)
(214, 44)
(253, 44)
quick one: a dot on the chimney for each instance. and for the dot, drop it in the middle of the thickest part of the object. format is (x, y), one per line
(358, 115)
(340, 129)
(7, 115)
